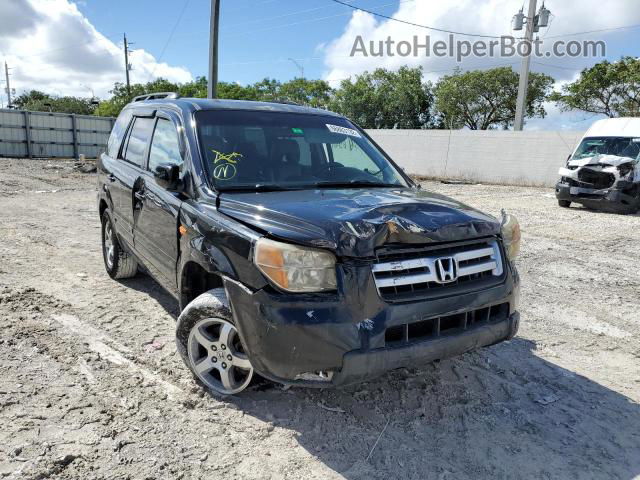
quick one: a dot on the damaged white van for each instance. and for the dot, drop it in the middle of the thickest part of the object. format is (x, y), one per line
(604, 171)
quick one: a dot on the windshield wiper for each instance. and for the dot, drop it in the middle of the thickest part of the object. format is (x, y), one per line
(356, 183)
(257, 187)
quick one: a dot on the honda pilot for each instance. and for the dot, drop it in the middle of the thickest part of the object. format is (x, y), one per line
(296, 248)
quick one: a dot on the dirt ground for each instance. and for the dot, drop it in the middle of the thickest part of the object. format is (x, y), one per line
(91, 385)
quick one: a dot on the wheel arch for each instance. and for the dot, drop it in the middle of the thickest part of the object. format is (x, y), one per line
(195, 279)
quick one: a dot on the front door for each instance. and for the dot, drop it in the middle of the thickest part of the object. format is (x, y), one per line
(156, 222)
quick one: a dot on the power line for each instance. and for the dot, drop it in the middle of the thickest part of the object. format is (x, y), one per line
(574, 34)
(415, 24)
(166, 44)
(311, 20)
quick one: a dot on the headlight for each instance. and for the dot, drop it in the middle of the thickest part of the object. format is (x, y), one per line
(511, 235)
(294, 268)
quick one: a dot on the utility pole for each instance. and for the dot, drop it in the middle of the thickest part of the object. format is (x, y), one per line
(6, 73)
(299, 66)
(127, 66)
(533, 22)
(523, 86)
(212, 87)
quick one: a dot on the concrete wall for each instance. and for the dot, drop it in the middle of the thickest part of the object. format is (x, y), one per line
(50, 135)
(519, 158)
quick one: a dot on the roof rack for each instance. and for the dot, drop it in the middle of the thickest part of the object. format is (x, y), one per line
(155, 96)
(284, 101)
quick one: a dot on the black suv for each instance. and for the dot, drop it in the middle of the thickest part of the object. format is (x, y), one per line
(295, 246)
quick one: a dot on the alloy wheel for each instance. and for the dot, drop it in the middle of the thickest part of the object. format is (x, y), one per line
(217, 356)
(109, 246)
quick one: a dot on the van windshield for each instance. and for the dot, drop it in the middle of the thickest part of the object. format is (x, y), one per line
(618, 146)
(258, 150)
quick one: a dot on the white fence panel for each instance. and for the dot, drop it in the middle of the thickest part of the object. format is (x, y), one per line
(519, 158)
(49, 135)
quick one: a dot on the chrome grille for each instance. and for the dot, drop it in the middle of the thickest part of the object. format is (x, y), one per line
(452, 268)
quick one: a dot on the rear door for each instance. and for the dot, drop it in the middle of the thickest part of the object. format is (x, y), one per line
(129, 173)
(109, 171)
(156, 223)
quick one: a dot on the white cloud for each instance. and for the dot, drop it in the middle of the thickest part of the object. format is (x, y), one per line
(485, 17)
(51, 46)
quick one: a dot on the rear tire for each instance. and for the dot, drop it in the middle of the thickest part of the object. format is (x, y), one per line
(210, 346)
(564, 203)
(118, 263)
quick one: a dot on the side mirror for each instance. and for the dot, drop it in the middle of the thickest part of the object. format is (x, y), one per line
(167, 176)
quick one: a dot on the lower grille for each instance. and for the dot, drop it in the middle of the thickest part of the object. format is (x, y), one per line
(409, 274)
(409, 333)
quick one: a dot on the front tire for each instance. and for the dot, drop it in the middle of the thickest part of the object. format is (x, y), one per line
(210, 345)
(564, 203)
(118, 263)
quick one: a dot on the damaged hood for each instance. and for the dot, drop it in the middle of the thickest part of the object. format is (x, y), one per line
(603, 160)
(354, 222)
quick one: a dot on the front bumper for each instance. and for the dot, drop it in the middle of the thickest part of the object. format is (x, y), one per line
(613, 200)
(288, 337)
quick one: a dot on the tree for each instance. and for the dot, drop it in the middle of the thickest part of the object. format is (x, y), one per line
(486, 99)
(386, 99)
(611, 89)
(121, 96)
(38, 101)
(314, 93)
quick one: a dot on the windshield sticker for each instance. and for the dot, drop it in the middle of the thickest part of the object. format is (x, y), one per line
(225, 165)
(343, 130)
(636, 140)
(297, 131)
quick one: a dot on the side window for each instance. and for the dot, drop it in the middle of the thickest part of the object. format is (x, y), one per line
(138, 139)
(349, 154)
(117, 133)
(165, 148)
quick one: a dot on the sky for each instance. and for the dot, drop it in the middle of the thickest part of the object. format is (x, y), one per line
(67, 47)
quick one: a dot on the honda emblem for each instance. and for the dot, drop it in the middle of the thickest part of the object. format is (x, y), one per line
(446, 270)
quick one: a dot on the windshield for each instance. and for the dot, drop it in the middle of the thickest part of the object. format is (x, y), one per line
(257, 150)
(618, 146)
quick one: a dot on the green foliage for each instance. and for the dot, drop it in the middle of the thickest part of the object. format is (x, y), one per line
(386, 99)
(612, 89)
(121, 96)
(37, 101)
(486, 99)
(315, 93)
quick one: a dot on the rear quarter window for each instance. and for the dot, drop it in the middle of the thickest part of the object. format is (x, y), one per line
(118, 132)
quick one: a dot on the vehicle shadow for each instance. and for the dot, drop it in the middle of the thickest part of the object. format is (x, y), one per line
(501, 412)
(145, 283)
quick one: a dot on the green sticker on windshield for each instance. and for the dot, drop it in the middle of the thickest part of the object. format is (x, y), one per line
(297, 131)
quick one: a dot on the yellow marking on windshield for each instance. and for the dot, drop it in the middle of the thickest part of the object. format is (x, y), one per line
(232, 157)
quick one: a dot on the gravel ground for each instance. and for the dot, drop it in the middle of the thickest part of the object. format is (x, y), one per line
(91, 385)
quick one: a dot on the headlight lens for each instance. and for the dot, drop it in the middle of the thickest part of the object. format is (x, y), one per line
(511, 235)
(294, 268)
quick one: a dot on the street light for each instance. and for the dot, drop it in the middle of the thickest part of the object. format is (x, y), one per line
(299, 66)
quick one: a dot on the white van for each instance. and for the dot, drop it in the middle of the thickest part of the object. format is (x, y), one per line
(604, 172)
